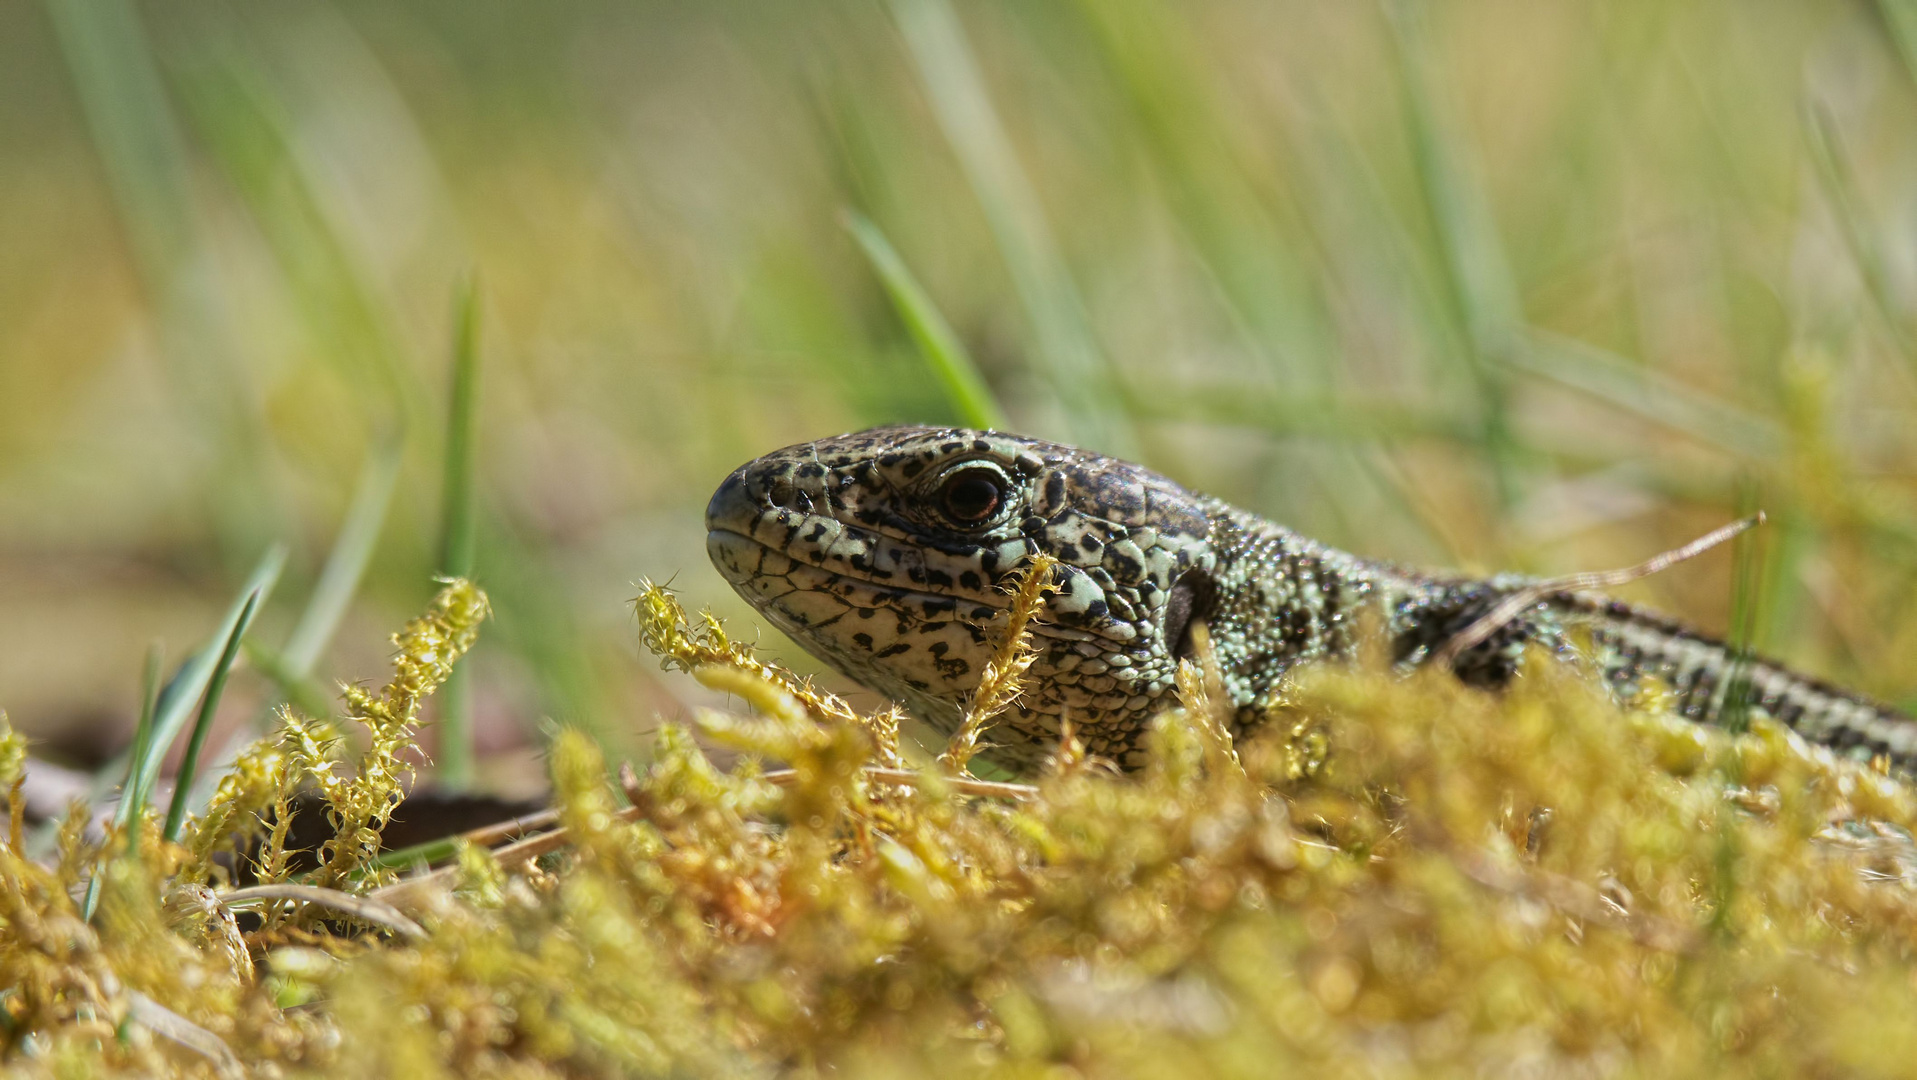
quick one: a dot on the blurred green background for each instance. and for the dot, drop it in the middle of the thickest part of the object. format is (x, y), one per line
(1488, 283)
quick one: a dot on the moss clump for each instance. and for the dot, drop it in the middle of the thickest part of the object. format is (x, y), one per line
(1404, 877)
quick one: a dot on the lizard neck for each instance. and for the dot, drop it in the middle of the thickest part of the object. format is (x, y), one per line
(1278, 599)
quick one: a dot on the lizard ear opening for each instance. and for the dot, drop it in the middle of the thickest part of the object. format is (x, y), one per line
(1193, 596)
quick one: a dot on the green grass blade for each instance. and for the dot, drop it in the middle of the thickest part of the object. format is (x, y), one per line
(964, 387)
(346, 563)
(1839, 181)
(460, 527)
(251, 135)
(1482, 293)
(290, 669)
(209, 705)
(1255, 248)
(1068, 355)
(136, 134)
(1900, 16)
(301, 691)
(147, 162)
(129, 809)
(1643, 392)
(1747, 616)
(177, 700)
(142, 731)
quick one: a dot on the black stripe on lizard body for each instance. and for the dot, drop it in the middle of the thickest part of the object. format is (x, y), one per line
(885, 552)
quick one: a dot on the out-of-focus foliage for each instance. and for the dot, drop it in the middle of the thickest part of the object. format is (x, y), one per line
(1404, 877)
(1513, 285)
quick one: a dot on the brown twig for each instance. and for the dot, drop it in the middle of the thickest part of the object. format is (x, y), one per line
(512, 854)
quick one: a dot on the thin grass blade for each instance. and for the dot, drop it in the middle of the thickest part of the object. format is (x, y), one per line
(1645, 393)
(148, 164)
(142, 734)
(339, 579)
(1478, 281)
(132, 801)
(1747, 618)
(177, 700)
(957, 375)
(1839, 181)
(136, 133)
(301, 691)
(1900, 17)
(290, 670)
(209, 705)
(1067, 354)
(250, 134)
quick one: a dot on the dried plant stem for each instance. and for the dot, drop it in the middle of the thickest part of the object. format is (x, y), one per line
(512, 854)
(164, 1022)
(1513, 605)
(964, 785)
(360, 907)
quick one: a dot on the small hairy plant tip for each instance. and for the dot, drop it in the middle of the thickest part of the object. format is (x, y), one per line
(1201, 691)
(13, 777)
(1003, 678)
(262, 776)
(666, 633)
(358, 808)
(13, 752)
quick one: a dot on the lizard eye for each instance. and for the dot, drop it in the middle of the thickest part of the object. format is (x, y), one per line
(972, 496)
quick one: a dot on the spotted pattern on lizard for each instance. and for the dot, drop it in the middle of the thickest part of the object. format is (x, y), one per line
(887, 554)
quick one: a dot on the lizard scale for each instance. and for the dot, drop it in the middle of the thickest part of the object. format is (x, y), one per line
(885, 554)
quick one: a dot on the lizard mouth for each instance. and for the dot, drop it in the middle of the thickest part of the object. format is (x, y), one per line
(809, 596)
(768, 534)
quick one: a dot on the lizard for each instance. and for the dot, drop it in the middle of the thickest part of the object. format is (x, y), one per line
(886, 553)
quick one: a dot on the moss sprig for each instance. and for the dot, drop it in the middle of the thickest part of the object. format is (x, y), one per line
(1003, 678)
(358, 808)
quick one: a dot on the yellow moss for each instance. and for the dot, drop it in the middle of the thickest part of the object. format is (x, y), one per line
(13, 752)
(238, 814)
(359, 808)
(1004, 676)
(1402, 877)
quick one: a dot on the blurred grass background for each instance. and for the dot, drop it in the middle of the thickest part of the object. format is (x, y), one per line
(1485, 283)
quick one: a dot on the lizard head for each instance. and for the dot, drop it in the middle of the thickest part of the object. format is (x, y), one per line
(887, 554)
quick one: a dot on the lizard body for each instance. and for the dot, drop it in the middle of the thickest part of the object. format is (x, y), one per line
(885, 554)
